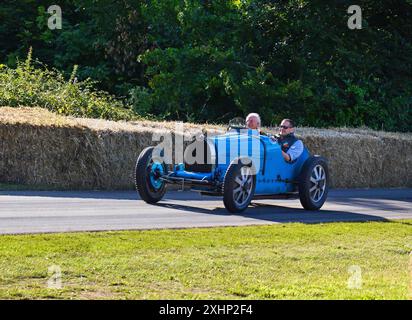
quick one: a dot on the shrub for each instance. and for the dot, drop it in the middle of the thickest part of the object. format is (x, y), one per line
(38, 86)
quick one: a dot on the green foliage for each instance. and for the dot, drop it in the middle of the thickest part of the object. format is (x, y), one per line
(206, 60)
(186, 69)
(102, 37)
(27, 85)
(292, 59)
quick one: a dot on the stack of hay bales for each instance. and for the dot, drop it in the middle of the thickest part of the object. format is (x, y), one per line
(363, 158)
(38, 147)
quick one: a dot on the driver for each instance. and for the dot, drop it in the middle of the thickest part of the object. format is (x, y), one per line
(253, 122)
(292, 148)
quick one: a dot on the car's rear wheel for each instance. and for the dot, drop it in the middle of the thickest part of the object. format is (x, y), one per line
(238, 187)
(314, 183)
(148, 173)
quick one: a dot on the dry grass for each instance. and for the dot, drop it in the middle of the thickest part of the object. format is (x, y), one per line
(40, 147)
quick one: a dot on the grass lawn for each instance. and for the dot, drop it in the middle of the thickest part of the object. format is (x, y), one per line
(290, 261)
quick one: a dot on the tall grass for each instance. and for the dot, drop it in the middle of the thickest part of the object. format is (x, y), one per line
(34, 85)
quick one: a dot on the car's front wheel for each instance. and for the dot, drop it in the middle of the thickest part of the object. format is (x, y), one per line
(314, 183)
(238, 186)
(148, 173)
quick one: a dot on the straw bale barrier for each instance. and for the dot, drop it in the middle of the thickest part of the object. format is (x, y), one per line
(38, 147)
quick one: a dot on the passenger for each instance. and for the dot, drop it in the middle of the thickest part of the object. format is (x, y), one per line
(253, 122)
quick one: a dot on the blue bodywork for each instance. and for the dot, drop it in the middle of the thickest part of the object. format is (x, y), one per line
(273, 174)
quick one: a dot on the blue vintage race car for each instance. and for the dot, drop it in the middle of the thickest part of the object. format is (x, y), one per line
(241, 165)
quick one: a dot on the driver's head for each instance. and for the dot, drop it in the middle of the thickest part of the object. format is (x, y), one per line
(253, 121)
(287, 126)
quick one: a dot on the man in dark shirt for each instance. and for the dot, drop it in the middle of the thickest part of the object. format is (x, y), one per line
(292, 147)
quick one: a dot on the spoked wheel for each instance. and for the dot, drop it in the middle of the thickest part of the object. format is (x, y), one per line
(148, 173)
(314, 183)
(238, 187)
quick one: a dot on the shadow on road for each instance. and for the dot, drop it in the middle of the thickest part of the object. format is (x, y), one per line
(281, 214)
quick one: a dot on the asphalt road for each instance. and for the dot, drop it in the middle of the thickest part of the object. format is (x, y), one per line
(45, 211)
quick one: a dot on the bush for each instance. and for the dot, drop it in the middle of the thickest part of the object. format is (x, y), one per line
(31, 86)
(294, 59)
(208, 61)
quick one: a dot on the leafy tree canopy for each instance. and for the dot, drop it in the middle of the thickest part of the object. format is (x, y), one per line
(204, 60)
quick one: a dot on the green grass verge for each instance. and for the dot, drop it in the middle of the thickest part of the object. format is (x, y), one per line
(291, 261)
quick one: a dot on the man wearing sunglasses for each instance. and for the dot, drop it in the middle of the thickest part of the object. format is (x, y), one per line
(292, 147)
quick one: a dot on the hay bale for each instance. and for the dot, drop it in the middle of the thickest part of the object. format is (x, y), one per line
(41, 148)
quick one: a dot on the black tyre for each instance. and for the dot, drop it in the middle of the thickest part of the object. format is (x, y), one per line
(314, 183)
(238, 186)
(147, 177)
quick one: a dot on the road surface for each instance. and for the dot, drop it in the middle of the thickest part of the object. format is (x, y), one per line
(53, 211)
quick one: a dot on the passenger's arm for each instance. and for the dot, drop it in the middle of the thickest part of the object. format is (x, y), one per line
(295, 150)
(285, 156)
